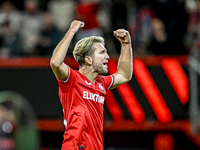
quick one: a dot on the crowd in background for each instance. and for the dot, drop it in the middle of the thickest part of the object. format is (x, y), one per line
(157, 27)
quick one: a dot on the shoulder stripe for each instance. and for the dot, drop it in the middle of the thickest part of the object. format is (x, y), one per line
(112, 82)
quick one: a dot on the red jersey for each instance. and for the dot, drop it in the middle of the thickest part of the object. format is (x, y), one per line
(82, 103)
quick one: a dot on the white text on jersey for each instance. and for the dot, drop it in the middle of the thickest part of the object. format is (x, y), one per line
(94, 97)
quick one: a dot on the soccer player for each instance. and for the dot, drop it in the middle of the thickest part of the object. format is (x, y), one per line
(82, 93)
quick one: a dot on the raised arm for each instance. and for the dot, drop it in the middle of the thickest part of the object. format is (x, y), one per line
(125, 62)
(60, 69)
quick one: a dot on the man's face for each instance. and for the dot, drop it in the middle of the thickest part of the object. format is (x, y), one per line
(100, 59)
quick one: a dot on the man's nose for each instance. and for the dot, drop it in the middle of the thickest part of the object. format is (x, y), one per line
(107, 56)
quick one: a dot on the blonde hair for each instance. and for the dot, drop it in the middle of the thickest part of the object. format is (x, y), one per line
(84, 48)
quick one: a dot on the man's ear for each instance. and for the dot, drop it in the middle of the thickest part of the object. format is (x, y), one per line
(88, 60)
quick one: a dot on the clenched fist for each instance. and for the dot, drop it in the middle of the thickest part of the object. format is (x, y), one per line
(76, 25)
(123, 36)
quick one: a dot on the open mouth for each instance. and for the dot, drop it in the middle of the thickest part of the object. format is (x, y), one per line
(105, 63)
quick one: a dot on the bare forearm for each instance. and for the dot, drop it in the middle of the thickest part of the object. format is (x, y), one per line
(125, 67)
(60, 69)
(125, 63)
(61, 49)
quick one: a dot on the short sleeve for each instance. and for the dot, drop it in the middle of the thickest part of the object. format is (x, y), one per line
(68, 82)
(108, 81)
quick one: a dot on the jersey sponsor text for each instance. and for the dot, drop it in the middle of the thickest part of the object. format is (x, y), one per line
(94, 97)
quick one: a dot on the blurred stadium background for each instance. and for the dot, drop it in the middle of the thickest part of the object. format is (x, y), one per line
(157, 110)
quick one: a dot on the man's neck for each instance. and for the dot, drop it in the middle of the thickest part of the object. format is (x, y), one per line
(89, 73)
